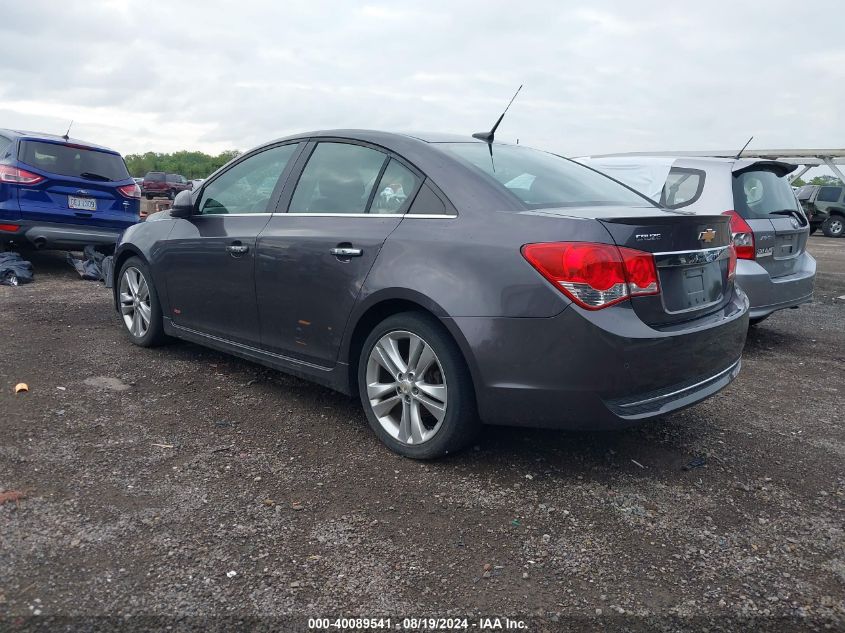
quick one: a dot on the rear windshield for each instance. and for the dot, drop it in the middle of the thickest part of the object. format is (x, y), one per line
(155, 176)
(805, 192)
(539, 179)
(68, 160)
(758, 193)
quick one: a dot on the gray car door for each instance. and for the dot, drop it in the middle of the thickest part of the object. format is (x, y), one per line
(209, 258)
(316, 252)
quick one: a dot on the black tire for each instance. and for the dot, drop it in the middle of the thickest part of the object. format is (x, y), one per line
(171, 195)
(834, 226)
(154, 334)
(813, 229)
(460, 423)
(148, 196)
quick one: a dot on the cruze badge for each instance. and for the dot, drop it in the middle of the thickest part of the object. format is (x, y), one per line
(648, 237)
(707, 236)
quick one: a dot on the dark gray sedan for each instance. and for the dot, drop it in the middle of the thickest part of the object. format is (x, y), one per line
(444, 280)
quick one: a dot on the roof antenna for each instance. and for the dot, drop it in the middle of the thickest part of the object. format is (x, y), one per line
(739, 153)
(487, 137)
(66, 135)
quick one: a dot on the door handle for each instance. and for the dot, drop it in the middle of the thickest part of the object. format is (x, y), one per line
(347, 252)
(237, 249)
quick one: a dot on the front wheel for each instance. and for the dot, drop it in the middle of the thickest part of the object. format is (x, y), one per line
(834, 226)
(140, 309)
(415, 387)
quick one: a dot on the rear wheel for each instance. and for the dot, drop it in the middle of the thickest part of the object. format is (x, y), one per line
(415, 387)
(834, 226)
(140, 309)
(813, 229)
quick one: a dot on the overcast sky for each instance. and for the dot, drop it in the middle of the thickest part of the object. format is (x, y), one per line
(599, 77)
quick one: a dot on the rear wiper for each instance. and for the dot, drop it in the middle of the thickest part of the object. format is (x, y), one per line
(92, 176)
(793, 212)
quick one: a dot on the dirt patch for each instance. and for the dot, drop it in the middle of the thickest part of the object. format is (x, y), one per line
(148, 475)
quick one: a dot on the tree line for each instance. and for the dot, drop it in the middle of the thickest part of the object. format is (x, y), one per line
(818, 180)
(189, 164)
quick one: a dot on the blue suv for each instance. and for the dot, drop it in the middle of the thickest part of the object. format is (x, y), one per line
(57, 192)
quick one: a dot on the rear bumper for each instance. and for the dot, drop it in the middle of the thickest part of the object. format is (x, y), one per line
(59, 235)
(600, 370)
(767, 294)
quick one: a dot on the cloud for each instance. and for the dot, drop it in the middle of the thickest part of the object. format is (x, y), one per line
(616, 76)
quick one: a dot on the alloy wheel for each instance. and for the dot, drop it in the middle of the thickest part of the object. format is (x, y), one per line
(835, 226)
(406, 387)
(135, 302)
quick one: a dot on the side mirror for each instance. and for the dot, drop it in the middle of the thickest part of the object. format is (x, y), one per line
(183, 205)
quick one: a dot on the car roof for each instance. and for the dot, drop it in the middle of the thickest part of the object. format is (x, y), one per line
(52, 138)
(382, 137)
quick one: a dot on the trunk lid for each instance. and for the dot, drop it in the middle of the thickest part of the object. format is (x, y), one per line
(690, 251)
(765, 200)
(691, 254)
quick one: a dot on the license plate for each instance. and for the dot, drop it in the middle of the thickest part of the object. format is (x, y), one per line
(83, 204)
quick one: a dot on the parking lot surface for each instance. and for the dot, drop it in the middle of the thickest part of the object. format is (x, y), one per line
(181, 481)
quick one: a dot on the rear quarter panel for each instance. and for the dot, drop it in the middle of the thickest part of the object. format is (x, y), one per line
(472, 265)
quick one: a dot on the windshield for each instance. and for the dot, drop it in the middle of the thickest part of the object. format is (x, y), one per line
(757, 194)
(70, 160)
(539, 179)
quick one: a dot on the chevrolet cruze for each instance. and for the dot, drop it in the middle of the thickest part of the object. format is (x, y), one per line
(445, 281)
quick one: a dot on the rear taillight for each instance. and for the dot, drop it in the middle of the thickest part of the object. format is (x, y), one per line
(17, 176)
(130, 191)
(594, 275)
(10, 228)
(743, 236)
(731, 262)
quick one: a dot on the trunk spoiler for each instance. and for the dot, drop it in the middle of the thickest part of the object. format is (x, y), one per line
(776, 166)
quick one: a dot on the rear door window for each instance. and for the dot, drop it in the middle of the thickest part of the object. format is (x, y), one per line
(4, 145)
(829, 194)
(683, 187)
(757, 193)
(339, 178)
(73, 160)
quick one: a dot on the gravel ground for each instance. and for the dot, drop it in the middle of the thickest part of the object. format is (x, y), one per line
(179, 481)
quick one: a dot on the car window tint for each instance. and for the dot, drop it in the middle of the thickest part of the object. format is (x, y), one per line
(248, 186)
(682, 187)
(396, 185)
(829, 194)
(428, 203)
(73, 160)
(338, 178)
(540, 179)
(758, 193)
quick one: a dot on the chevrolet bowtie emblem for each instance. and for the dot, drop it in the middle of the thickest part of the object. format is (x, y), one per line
(707, 236)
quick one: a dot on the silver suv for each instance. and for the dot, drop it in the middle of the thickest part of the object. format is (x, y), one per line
(769, 228)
